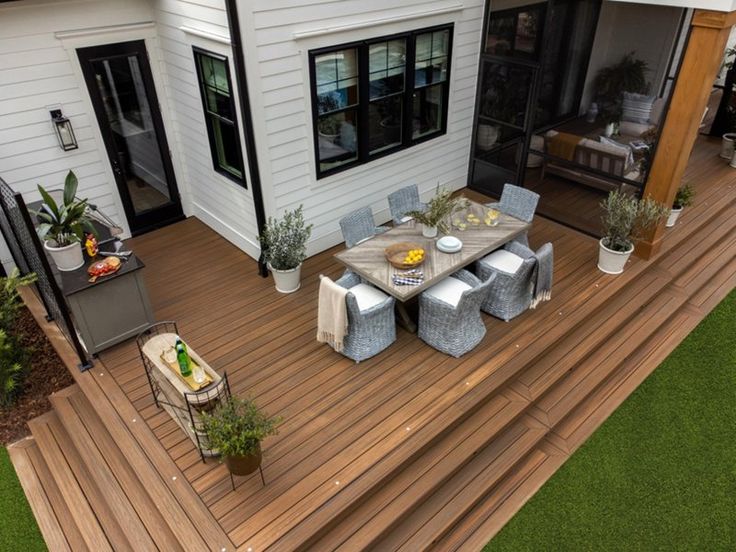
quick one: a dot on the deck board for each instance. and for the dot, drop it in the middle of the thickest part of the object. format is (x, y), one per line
(347, 422)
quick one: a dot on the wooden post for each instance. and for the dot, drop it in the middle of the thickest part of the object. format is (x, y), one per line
(701, 60)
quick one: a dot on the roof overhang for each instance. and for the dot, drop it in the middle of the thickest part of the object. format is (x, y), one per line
(713, 5)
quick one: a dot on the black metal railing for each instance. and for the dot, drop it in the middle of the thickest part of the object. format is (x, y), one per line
(25, 246)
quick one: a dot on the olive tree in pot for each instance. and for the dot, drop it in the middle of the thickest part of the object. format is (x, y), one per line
(683, 198)
(624, 219)
(235, 429)
(284, 243)
(62, 226)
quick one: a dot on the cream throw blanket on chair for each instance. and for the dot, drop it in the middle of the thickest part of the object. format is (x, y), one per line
(332, 313)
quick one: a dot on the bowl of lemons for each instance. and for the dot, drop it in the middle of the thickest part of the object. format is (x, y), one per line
(405, 255)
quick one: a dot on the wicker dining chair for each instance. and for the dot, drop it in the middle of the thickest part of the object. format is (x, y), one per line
(371, 321)
(449, 313)
(359, 226)
(403, 201)
(520, 203)
(514, 267)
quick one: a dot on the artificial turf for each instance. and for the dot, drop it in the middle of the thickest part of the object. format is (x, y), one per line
(18, 529)
(660, 473)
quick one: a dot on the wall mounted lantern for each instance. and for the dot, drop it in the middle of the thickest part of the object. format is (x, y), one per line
(64, 130)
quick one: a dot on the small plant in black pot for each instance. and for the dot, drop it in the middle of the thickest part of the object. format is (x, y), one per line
(236, 429)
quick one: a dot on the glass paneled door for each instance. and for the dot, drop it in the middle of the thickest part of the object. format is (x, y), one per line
(121, 87)
(504, 116)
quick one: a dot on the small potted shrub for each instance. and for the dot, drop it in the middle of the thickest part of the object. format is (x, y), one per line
(683, 198)
(284, 243)
(624, 219)
(62, 227)
(438, 212)
(235, 429)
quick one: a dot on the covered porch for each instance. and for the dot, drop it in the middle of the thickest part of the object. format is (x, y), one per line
(409, 449)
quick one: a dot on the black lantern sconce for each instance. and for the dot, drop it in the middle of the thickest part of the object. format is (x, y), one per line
(64, 130)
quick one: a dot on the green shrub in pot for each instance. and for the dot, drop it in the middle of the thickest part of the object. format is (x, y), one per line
(284, 244)
(236, 429)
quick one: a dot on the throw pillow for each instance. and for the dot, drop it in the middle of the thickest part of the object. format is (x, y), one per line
(623, 149)
(637, 108)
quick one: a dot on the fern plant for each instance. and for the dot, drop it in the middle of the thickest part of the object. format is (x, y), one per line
(684, 197)
(626, 75)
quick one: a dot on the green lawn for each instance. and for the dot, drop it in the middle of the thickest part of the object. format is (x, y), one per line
(660, 473)
(18, 529)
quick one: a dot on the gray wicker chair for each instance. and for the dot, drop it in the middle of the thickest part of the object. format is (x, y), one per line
(371, 330)
(514, 267)
(449, 313)
(402, 201)
(359, 226)
(520, 203)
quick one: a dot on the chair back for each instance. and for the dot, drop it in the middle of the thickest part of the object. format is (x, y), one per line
(518, 202)
(357, 226)
(403, 201)
(472, 299)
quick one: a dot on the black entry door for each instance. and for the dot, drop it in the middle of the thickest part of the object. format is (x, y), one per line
(120, 85)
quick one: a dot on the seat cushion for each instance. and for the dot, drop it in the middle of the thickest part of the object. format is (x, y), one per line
(503, 260)
(449, 290)
(367, 296)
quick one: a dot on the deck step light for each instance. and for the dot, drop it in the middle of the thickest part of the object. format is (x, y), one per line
(64, 130)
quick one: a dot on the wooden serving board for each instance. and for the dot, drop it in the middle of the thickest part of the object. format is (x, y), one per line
(188, 380)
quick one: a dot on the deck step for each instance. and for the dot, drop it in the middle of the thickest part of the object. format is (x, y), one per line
(50, 511)
(145, 526)
(74, 490)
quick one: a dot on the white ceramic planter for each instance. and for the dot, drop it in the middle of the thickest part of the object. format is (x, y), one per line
(672, 218)
(429, 231)
(610, 261)
(66, 258)
(727, 145)
(487, 136)
(287, 281)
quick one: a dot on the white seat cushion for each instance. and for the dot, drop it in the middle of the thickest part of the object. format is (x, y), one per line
(503, 260)
(367, 296)
(449, 290)
(406, 219)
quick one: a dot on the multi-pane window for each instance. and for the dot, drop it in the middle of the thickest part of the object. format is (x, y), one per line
(219, 113)
(376, 97)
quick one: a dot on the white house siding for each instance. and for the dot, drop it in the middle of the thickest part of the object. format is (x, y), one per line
(219, 202)
(38, 73)
(277, 65)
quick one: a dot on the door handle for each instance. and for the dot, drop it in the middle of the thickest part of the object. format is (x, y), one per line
(116, 167)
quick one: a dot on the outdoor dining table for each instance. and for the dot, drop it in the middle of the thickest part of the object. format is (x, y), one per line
(368, 258)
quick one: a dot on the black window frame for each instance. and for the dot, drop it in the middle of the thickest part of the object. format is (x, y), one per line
(407, 140)
(209, 116)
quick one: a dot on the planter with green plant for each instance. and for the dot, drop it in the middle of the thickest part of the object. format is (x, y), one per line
(235, 429)
(438, 212)
(626, 75)
(683, 198)
(284, 244)
(625, 219)
(62, 226)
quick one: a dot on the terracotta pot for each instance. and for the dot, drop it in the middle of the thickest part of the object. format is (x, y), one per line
(610, 261)
(287, 281)
(243, 465)
(66, 258)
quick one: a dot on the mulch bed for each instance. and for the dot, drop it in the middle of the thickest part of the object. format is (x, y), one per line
(46, 375)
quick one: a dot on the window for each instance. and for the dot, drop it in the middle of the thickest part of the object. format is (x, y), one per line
(219, 112)
(376, 97)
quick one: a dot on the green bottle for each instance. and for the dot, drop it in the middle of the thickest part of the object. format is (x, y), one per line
(182, 357)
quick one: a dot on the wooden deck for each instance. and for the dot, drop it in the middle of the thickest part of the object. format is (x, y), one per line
(409, 450)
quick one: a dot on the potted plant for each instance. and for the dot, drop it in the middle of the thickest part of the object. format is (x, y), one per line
(284, 243)
(62, 227)
(235, 429)
(438, 212)
(683, 198)
(624, 219)
(626, 75)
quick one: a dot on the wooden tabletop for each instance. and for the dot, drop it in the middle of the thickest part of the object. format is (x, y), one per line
(369, 261)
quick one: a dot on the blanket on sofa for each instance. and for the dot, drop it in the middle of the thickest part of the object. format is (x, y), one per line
(563, 145)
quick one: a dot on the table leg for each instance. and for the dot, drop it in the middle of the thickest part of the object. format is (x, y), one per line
(404, 319)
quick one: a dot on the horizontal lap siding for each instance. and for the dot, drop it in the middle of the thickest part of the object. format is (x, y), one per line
(284, 87)
(222, 204)
(36, 73)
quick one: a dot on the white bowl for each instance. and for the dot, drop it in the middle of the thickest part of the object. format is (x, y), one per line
(449, 242)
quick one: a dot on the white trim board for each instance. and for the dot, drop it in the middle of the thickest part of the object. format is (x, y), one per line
(75, 33)
(201, 33)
